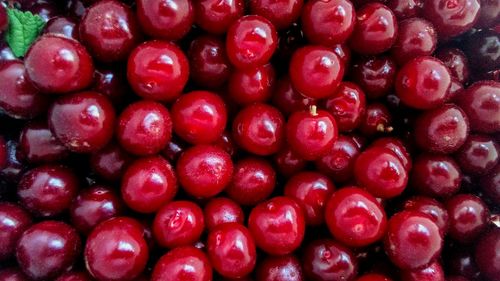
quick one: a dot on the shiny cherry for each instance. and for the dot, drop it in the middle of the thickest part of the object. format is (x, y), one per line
(75, 276)
(181, 264)
(288, 162)
(222, 210)
(397, 146)
(14, 220)
(216, 16)
(287, 99)
(469, 217)
(435, 209)
(39, 145)
(374, 74)
(377, 120)
(416, 37)
(478, 155)
(251, 85)
(112, 83)
(431, 272)
(435, 175)
(338, 163)
(13, 274)
(451, 17)
(490, 184)
(66, 26)
(280, 268)
(456, 61)
(110, 162)
(347, 106)
(404, 9)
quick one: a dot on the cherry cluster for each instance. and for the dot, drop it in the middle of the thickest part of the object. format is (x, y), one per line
(265, 140)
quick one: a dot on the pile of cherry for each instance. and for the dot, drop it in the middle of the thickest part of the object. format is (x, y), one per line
(252, 140)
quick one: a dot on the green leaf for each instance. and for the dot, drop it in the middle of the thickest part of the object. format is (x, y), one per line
(24, 28)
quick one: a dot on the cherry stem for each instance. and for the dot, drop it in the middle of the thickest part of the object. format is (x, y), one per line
(314, 110)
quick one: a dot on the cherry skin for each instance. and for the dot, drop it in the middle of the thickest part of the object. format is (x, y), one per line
(456, 61)
(328, 22)
(377, 120)
(338, 163)
(13, 274)
(487, 253)
(204, 170)
(281, 268)
(423, 83)
(404, 9)
(110, 162)
(375, 75)
(259, 128)
(57, 65)
(116, 250)
(216, 16)
(48, 190)
(169, 20)
(398, 147)
(431, 272)
(347, 106)
(148, 184)
(451, 17)
(373, 277)
(436, 175)
(354, 217)
(39, 145)
(20, 99)
(311, 133)
(280, 13)
(375, 31)
(65, 26)
(144, 128)
(250, 85)
(14, 166)
(183, 263)
(226, 142)
(478, 155)
(433, 208)
(483, 48)
(442, 130)
(288, 163)
(75, 276)
(277, 225)
(490, 184)
(222, 210)
(416, 37)
(311, 190)
(83, 122)
(158, 70)
(199, 117)
(178, 223)
(287, 99)
(109, 30)
(14, 220)
(328, 260)
(253, 181)
(316, 71)
(112, 83)
(47, 249)
(412, 240)
(93, 206)
(468, 217)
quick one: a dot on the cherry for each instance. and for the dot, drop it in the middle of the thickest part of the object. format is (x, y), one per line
(451, 17)
(460, 260)
(158, 70)
(354, 217)
(65, 26)
(226, 142)
(277, 225)
(47, 249)
(373, 277)
(83, 122)
(316, 71)
(169, 20)
(280, 268)
(413, 240)
(433, 208)
(468, 217)
(75, 276)
(116, 250)
(328, 260)
(328, 22)
(423, 83)
(93, 206)
(436, 175)
(456, 61)
(288, 163)
(253, 181)
(208, 62)
(478, 155)
(20, 99)
(250, 85)
(311, 133)
(377, 120)
(13, 274)
(490, 184)
(416, 37)
(144, 128)
(375, 75)
(375, 31)
(222, 210)
(14, 220)
(456, 89)
(483, 48)
(14, 166)
(431, 272)
(231, 249)
(46, 10)
(347, 106)
(174, 149)
(204, 170)
(39, 145)
(287, 99)
(311, 190)
(110, 162)
(487, 253)
(216, 16)
(404, 9)
(199, 117)
(259, 128)
(251, 41)
(57, 65)
(109, 30)
(338, 163)
(398, 147)
(48, 190)
(111, 83)
(183, 263)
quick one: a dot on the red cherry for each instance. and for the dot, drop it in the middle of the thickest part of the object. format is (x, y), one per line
(431, 272)
(110, 162)
(222, 210)
(478, 155)
(250, 85)
(183, 263)
(375, 75)
(373, 277)
(404, 9)
(287, 99)
(347, 106)
(487, 253)
(14, 220)
(451, 17)
(13, 274)
(111, 82)
(338, 163)
(377, 120)
(490, 184)
(74, 276)
(280, 13)
(416, 37)
(288, 163)
(39, 145)
(436, 175)
(66, 26)
(217, 16)
(468, 217)
(456, 61)
(433, 208)
(280, 268)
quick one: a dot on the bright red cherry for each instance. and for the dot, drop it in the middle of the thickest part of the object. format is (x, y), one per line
(57, 65)
(280, 268)
(311, 133)
(338, 163)
(316, 71)
(347, 106)
(250, 85)
(468, 217)
(436, 175)
(13, 274)
(478, 155)
(456, 61)
(144, 128)
(287, 99)
(14, 220)
(398, 147)
(231, 249)
(487, 254)
(39, 145)
(158, 70)
(182, 264)
(112, 83)
(433, 208)
(277, 225)
(165, 19)
(451, 17)
(416, 37)
(374, 74)
(216, 16)
(110, 162)
(204, 170)
(354, 217)
(222, 210)
(412, 240)
(148, 184)
(431, 272)
(116, 250)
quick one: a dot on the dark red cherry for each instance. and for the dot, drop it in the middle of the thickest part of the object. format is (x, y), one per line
(216, 16)
(435, 175)
(226, 142)
(487, 254)
(288, 163)
(57, 65)
(208, 62)
(47, 249)
(112, 83)
(144, 128)
(13, 274)
(373, 277)
(204, 170)
(490, 184)
(48, 190)
(338, 163)
(460, 260)
(377, 120)
(413, 240)
(93, 206)
(83, 122)
(456, 61)
(468, 217)
(287, 99)
(4, 19)
(3, 153)
(222, 210)
(39, 145)
(483, 48)
(253, 181)
(65, 26)
(416, 37)
(251, 85)
(431, 272)
(355, 218)
(398, 147)
(347, 106)
(165, 19)
(489, 13)
(181, 264)
(451, 17)
(277, 225)
(435, 209)
(14, 220)
(75, 276)
(328, 260)
(478, 155)
(280, 268)
(174, 149)
(404, 9)
(45, 9)
(375, 75)
(116, 250)
(110, 162)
